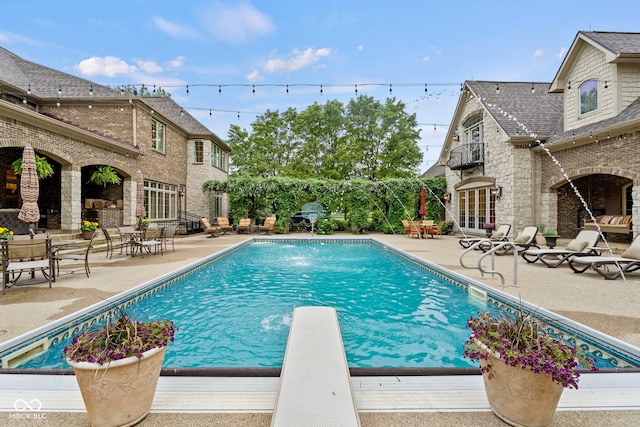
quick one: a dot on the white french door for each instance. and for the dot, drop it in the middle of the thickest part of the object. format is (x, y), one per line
(475, 206)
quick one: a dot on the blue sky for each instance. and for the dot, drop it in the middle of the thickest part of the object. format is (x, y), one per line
(305, 44)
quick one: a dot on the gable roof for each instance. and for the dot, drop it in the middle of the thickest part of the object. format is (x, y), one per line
(517, 109)
(617, 47)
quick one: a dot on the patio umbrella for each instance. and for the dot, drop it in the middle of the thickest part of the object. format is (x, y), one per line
(29, 187)
(423, 201)
(140, 211)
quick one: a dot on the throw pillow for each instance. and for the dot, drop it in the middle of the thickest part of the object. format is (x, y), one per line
(522, 239)
(576, 245)
(496, 235)
(632, 252)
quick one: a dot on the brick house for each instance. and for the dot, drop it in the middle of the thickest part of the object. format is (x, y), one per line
(515, 151)
(78, 125)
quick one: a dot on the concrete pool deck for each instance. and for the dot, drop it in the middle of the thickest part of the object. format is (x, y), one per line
(612, 307)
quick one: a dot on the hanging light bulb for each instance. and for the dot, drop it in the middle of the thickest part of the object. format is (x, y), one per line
(569, 85)
(57, 102)
(181, 112)
(390, 89)
(606, 86)
(59, 90)
(356, 89)
(210, 113)
(253, 89)
(320, 89)
(24, 100)
(91, 90)
(498, 88)
(425, 88)
(29, 90)
(90, 106)
(287, 89)
(533, 88)
(238, 115)
(121, 108)
(219, 90)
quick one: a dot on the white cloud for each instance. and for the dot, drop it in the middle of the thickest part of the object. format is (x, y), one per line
(297, 60)
(238, 23)
(538, 52)
(177, 63)
(149, 66)
(109, 66)
(360, 47)
(563, 50)
(426, 59)
(255, 76)
(175, 30)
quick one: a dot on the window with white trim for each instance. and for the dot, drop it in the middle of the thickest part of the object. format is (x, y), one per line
(160, 200)
(473, 137)
(588, 96)
(157, 135)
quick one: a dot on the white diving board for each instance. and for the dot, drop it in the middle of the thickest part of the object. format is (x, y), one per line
(315, 385)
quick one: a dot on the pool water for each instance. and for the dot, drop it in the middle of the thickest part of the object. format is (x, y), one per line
(236, 312)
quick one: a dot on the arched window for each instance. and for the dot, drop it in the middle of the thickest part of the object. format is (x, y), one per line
(588, 96)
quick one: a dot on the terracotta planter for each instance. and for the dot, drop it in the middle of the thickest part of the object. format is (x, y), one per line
(119, 393)
(86, 234)
(520, 397)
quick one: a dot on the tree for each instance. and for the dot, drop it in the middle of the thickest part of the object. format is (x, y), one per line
(143, 91)
(365, 140)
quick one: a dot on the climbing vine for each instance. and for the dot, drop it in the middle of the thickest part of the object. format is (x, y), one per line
(361, 204)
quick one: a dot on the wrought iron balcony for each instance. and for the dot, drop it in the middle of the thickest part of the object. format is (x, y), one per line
(467, 156)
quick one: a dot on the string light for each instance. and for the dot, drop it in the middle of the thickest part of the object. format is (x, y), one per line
(287, 89)
(91, 90)
(29, 90)
(390, 90)
(187, 89)
(498, 88)
(59, 90)
(569, 85)
(533, 89)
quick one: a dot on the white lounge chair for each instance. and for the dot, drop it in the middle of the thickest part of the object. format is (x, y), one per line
(524, 240)
(501, 234)
(610, 267)
(580, 246)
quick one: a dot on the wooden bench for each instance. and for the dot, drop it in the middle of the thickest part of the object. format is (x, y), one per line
(315, 385)
(610, 224)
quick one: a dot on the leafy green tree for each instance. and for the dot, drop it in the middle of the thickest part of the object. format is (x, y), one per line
(365, 140)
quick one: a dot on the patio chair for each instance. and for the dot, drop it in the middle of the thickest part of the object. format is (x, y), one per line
(244, 225)
(70, 252)
(210, 230)
(112, 244)
(19, 256)
(500, 234)
(268, 225)
(151, 239)
(169, 234)
(435, 231)
(580, 246)
(525, 240)
(610, 267)
(224, 224)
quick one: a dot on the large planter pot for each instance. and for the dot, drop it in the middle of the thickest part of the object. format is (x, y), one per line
(119, 393)
(87, 234)
(520, 397)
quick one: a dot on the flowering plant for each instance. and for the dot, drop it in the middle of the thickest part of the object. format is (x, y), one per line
(88, 225)
(145, 222)
(489, 225)
(118, 339)
(520, 341)
(5, 233)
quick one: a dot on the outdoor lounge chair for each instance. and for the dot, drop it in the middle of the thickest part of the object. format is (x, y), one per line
(268, 225)
(580, 246)
(500, 234)
(415, 229)
(244, 225)
(224, 224)
(610, 267)
(210, 230)
(525, 240)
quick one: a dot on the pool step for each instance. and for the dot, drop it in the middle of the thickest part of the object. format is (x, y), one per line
(315, 385)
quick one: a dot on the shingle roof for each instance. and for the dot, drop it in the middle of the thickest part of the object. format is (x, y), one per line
(173, 111)
(44, 82)
(617, 43)
(516, 106)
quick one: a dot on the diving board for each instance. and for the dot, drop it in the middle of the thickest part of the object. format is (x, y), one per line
(315, 385)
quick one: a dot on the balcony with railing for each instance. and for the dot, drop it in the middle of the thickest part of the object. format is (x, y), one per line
(467, 156)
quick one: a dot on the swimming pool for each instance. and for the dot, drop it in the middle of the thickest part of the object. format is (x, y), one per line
(248, 325)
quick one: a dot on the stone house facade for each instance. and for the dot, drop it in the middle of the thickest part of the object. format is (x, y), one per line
(78, 126)
(551, 153)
